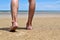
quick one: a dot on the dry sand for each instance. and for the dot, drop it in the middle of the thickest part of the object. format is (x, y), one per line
(44, 28)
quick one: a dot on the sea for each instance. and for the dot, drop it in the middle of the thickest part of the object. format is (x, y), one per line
(38, 12)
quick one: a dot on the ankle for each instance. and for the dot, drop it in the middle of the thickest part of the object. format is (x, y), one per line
(29, 24)
(14, 23)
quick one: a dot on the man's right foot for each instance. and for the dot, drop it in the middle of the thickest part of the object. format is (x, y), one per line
(13, 27)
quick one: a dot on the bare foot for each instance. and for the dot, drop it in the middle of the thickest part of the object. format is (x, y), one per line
(13, 27)
(29, 27)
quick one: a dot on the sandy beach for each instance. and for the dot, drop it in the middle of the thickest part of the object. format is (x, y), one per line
(45, 27)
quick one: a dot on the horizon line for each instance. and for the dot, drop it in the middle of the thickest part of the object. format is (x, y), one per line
(27, 10)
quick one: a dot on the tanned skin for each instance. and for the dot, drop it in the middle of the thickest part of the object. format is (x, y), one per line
(14, 11)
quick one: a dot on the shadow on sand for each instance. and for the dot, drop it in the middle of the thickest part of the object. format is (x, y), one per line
(7, 29)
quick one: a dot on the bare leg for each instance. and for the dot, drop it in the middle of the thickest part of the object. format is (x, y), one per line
(14, 10)
(31, 13)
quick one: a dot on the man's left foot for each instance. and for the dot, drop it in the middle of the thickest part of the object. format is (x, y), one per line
(29, 27)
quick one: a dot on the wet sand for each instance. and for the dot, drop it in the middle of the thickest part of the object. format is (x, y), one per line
(44, 28)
